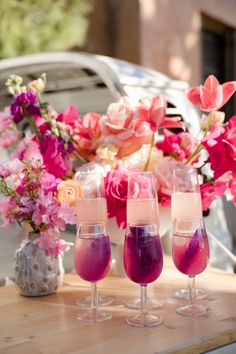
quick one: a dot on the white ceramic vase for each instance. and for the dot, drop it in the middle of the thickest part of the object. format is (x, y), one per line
(36, 273)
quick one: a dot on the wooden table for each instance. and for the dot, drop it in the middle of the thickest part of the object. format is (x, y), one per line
(48, 324)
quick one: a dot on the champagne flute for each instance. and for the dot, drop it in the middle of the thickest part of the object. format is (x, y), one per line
(143, 257)
(186, 202)
(91, 208)
(190, 252)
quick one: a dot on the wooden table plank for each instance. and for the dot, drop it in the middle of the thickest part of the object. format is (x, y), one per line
(48, 324)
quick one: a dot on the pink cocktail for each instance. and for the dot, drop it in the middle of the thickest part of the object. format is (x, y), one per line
(190, 253)
(92, 257)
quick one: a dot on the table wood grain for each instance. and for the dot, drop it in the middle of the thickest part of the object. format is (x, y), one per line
(48, 324)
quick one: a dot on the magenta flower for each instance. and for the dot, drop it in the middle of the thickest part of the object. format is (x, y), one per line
(221, 146)
(54, 155)
(24, 101)
(179, 146)
(210, 192)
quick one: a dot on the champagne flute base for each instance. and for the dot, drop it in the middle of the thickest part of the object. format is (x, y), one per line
(85, 301)
(94, 316)
(145, 321)
(193, 310)
(183, 294)
(151, 304)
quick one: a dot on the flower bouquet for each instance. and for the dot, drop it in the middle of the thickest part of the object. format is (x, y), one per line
(47, 148)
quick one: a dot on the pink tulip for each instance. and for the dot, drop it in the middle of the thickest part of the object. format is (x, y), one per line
(153, 110)
(211, 96)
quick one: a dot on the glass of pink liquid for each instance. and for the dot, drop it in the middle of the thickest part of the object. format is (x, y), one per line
(190, 252)
(186, 203)
(92, 258)
(91, 208)
(143, 258)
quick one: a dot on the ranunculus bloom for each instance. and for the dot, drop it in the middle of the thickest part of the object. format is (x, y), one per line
(153, 111)
(88, 134)
(180, 146)
(69, 192)
(211, 96)
(221, 146)
(122, 128)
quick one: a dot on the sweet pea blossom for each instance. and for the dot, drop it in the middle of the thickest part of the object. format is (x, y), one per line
(211, 96)
(49, 241)
(6, 119)
(211, 191)
(221, 146)
(11, 167)
(179, 146)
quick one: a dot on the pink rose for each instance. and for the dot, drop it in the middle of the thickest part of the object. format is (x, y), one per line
(221, 146)
(116, 187)
(211, 96)
(122, 129)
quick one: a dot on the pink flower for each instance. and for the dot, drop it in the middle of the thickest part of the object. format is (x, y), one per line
(211, 96)
(11, 167)
(153, 111)
(8, 138)
(232, 187)
(124, 130)
(163, 171)
(8, 211)
(210, 192)
(88, 134)
(179, 146)
(53, 154)
(116, 187)
(6, 119)
(221, 146)
(49, 241)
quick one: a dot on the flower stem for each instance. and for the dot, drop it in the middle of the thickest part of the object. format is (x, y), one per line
(149, 153)
(194, 154)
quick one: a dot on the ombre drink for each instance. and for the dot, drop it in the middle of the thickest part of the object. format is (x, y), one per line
(143, 258)
(190, 252)
(92, 257)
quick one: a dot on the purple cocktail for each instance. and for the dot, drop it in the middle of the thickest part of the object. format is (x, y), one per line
(143, 258)
(92, 257)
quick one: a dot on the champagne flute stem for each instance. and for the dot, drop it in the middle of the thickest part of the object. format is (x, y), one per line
(94, 299)
(144, 309)
(192, 290)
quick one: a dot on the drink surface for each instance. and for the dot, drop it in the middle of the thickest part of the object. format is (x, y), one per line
(91, 210)
(190, 253)
(186, 205)
(92, 257)
(143, 258)
(141, 211)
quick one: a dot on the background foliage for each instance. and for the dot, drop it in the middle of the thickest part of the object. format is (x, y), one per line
(28, 26)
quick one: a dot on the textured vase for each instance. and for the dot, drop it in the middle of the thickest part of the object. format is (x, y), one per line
(35, 271)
